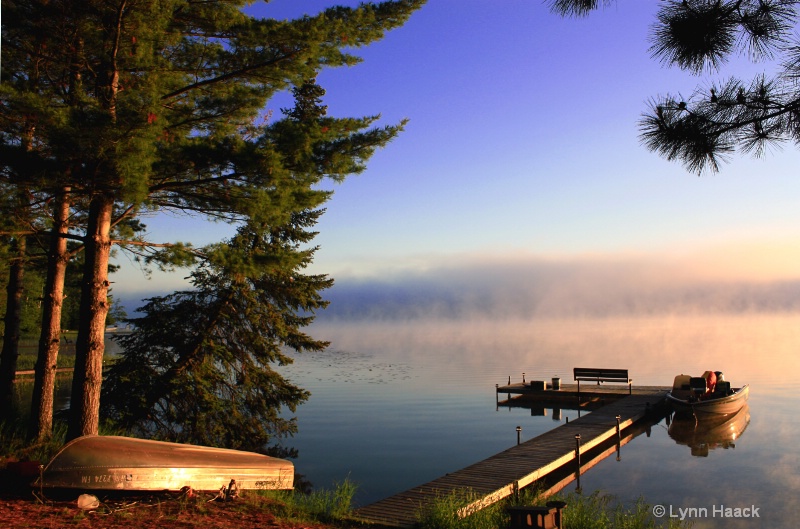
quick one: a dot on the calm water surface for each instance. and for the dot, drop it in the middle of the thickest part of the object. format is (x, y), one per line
(397, 404)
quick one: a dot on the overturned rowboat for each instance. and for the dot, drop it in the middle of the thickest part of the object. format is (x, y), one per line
(114, 463)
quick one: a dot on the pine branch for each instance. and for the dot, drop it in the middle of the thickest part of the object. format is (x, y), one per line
(229, 75)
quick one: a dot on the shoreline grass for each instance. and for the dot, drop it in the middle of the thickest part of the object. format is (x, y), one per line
(593, 511)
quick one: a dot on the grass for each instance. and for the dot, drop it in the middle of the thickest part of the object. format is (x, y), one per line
(27, 361)
(15, 446)
(593, 511)
(443, 513)
(29, 347)
(601, 511)
(328, 506)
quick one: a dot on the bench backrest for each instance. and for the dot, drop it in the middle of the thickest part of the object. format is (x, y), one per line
(597, 373)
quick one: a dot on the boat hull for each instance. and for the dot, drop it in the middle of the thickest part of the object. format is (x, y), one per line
(723, 406)
(104, 463)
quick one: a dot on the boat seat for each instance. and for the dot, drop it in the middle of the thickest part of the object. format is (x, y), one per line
(698, 385)
(723, 388)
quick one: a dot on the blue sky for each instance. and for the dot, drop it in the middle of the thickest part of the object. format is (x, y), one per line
(522, 147)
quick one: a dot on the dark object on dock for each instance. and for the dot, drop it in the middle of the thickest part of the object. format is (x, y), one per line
(549, 517)
(538, 385)
(114, 463)
(593, 374)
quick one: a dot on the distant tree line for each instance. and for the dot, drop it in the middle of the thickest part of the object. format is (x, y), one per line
(114, 111)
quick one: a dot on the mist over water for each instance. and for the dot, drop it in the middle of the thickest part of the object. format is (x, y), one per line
(658, 318)
(761, 348)
(540, 288)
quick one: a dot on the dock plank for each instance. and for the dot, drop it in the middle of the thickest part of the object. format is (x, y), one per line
(498, 476)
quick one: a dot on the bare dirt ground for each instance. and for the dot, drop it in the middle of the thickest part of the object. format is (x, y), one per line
(21, 508)
(28, 512)
(18, 512)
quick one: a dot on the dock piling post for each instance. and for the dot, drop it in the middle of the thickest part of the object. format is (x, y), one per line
(618, 432)
(578, 460)
(519, 432)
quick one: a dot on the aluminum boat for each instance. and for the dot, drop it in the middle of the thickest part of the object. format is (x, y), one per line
(709, 395)
(107, 463)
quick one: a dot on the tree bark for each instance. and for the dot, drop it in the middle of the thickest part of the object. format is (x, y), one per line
(84, 415)
(41, 421)
(10, 351)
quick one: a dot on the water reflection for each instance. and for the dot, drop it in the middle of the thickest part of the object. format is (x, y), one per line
(709, 433)
(23, 390)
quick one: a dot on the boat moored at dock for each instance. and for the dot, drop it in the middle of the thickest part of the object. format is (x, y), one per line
(709, 395)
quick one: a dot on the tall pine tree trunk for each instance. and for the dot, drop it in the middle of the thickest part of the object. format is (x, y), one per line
(41, 421)
(10, 351)
(84, 416)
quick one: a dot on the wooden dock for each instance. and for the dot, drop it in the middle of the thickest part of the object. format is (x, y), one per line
(32, 372)
(501, 475)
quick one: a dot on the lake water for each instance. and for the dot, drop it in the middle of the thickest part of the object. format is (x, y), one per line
(396, 404)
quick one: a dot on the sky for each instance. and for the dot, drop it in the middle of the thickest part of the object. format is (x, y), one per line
(522, 153)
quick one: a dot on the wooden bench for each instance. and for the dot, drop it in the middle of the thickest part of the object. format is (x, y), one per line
(602, 375)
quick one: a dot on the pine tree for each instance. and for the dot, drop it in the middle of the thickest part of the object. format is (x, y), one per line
(198, 366)
(141, 106)
(736, 115)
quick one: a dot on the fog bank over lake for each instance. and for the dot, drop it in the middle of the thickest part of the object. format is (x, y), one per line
(578, 287)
